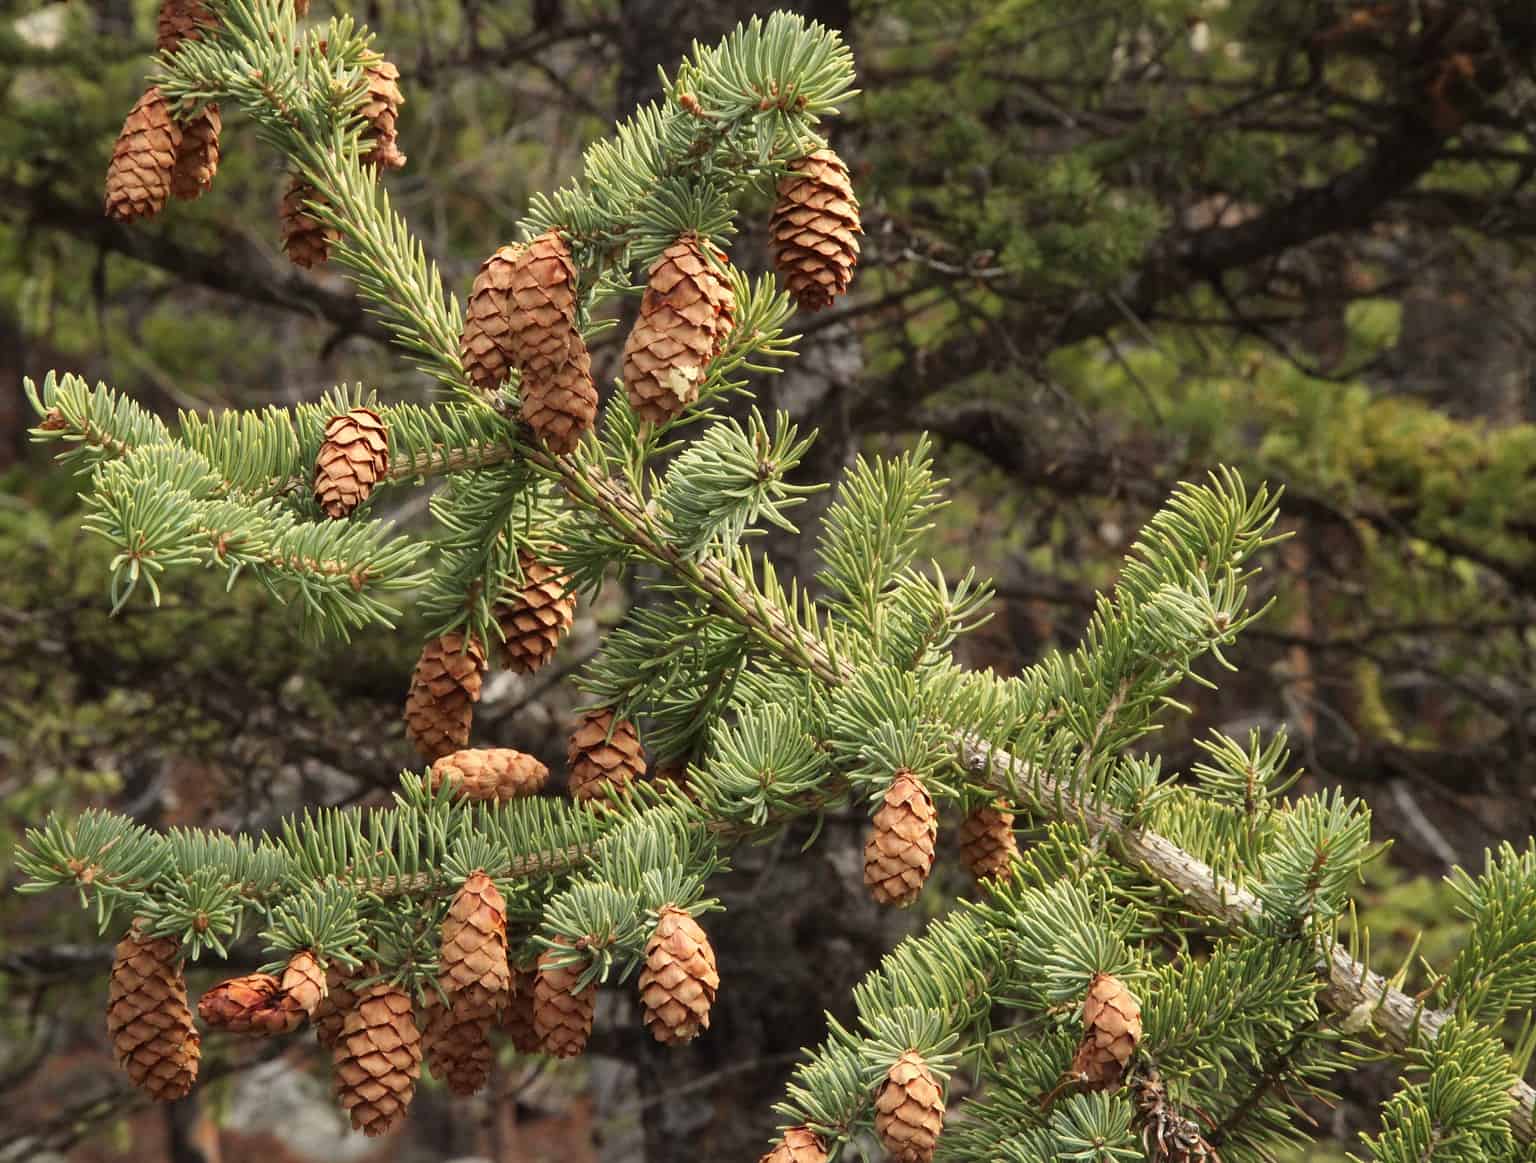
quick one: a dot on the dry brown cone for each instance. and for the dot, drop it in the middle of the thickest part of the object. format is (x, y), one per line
(1112, 1029)
(598, 764)
(197, 155)
(147, 1016)
(909, 1111)
(253, 1004)
(533, 615)
(333, 1007)
(559, 398)
(457, 1043)
(304, 981)
(685, 315)
(353, 458)
(898, 855)
(381, 110)
(143, 159)
(444, 690)
(181, 20)
(485, 345)
(986, 841)
(306, 240)
(1168, 1136)
(678, 983)
(562, 1018)
(561, 406)
(797, 1145)
(517, 1014)
(377, 1058)
(814, 230)
(473, 950)
(492, 773)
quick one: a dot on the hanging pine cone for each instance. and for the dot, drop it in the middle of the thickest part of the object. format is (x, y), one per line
(598, 764)
(197, 154)
(353, 458)
(533, 614)
(253, 1004)
(304, 981)
(181, 20)
(143, 160)
(147, 1016)
(377, 1059)
(559, 399)
(333, 1008)
(444, 690)
(685, 315)
(909, 1111)
(797, 1145)
(814, 230)
(678, 983)
(562, 1017)
(473, 952)
(561, 405)
(457, 1046)
(490, 774)
(306, 240)
(986, 841)
(899, 852)
(381, 110)
(1112, 1029)
(517, 1014)
(485, 346)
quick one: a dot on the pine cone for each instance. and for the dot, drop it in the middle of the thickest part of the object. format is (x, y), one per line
(562, 1018)
(494, 773)
(813, 230)
(986, 841)
(474, 946)
(457, 1043)
(353, 458)
(444, 690)
(909, 1111)
(598, 764)
(797, 1145)
(1112, 1028)
(197, 154)
(485, 346)
(685, 315)
(304, 981)
(253, 1004)
(338, 1001)
(533, 615)
(181, 20)
(139, 175)
(381, 110)
(377, 1059)
(148, 1019)
(306, 240)
(899, 852)
(517, 1015)
(559, 399)
(678, 983)
(561, 406)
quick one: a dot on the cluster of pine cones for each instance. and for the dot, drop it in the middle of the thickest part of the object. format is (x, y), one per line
(162, 154)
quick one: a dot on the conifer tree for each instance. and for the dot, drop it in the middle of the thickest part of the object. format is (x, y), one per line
(1154, 968)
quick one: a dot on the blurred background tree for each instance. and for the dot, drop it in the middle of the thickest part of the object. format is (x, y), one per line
(1109, 243)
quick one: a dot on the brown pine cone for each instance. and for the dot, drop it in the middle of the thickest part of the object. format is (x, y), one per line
(492, 773)
(147, 1016)
(598, 764)
(338, 1000)
(533, 614)
(306, 240)
(181, 20)
(685, 315)
(1112, 1029)
(559, 398)
(909, 1111)
(143, 160)
(814, 230)
(485, 346)
(517, 1016)
(444, 690)
(797, 1145)
(253, 1004)
(986, 841)
(457, 1043)
(561, 405)
(678, 983)
(353, 458)
(474, 946)
(381, 111)
(562, 1018)
(899, 852)
(377, 1059)
(197, 154)
(304, 981)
